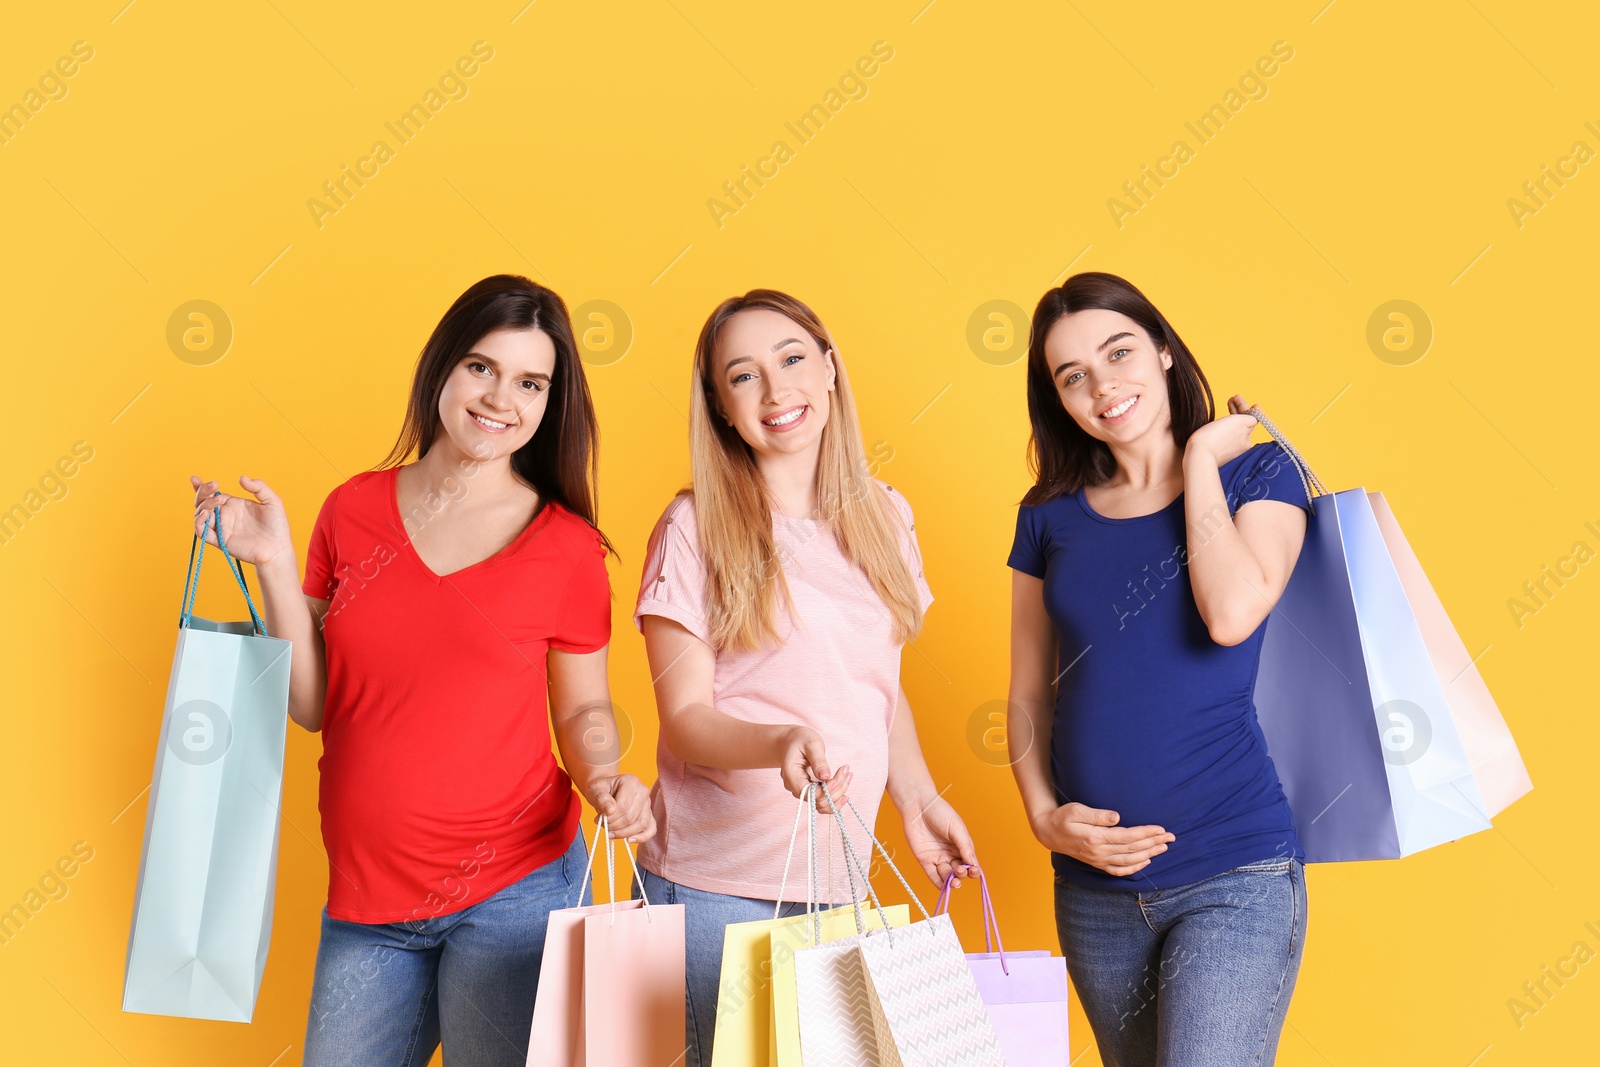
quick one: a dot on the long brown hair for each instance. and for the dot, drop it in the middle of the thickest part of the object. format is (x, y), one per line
(733, 505)
(561, 460)
(1061, 454)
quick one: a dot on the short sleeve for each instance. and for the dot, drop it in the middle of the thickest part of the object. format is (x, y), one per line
(1027, 546)
(585, 615)
(321, 557)
(673, 585)
(910, 547)
(1266, 472)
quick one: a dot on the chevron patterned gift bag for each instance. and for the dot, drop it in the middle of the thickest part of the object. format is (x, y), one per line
(926, 1010)
(835, 1002)
(897, 997)
(787, 943)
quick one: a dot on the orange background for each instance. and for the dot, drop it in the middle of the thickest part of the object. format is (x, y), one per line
(977, 164)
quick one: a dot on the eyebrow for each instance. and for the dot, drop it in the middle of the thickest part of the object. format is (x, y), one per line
(1101, 347)
(747, 359)
(479, 357)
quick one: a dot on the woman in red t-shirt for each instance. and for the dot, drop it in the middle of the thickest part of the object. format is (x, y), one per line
(441, 599)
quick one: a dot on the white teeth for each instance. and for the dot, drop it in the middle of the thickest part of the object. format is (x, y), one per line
(1119, 409)
(491, 423)
(784, 420)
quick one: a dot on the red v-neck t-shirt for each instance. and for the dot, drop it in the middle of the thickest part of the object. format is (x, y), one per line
(438, 783)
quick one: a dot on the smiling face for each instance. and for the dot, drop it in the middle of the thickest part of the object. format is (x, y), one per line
(1111, 377)
(773, 382)
(494, 398)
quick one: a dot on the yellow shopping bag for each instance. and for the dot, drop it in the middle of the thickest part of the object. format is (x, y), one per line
(757, 984)
(757, 978)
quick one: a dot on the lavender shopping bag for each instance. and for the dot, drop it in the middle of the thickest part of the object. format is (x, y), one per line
(1355, 716)
(1024, 992)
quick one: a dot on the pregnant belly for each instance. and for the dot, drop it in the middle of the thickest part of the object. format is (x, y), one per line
(1176, 778)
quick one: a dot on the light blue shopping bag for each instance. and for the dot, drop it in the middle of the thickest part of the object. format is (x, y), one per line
(1355, 716)
(202, 911)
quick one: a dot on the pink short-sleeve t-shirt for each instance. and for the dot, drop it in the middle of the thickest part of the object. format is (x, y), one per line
(836, 669)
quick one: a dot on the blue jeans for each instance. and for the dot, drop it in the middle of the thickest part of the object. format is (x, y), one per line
(704, 917)
(385, 994)
(1198, 975)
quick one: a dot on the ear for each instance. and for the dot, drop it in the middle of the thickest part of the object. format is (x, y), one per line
(833, 368)
(1166, 359)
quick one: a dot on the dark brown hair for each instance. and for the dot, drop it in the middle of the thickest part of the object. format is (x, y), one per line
(561, 460)
(1062, 456)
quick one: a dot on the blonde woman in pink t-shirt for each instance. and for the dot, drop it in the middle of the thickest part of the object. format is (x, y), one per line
(777, 595)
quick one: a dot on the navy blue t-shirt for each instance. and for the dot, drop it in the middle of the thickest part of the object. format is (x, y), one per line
(1153, 718)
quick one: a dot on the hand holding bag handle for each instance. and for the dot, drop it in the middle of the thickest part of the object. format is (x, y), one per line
(1308, 478)
(859, 868)
(191, 584)
(853, 866)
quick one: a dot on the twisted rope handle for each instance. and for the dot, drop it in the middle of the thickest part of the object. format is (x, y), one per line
(611, 869)
(191, 582)
(1308, 478)
(806, 807)
(854, 866)
(884, 852)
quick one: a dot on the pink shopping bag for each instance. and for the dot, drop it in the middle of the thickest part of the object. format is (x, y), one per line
(1496, 763)
(1025, 992)
(611, 982)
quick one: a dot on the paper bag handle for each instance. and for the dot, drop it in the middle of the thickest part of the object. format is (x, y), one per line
(989, 919)
(1308, 478)
(600, 827)
(191, 584)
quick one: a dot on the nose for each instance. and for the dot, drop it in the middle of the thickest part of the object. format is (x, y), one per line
(503, 397)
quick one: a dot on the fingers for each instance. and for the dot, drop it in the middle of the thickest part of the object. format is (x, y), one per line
(259, 489)
(1128, 838)
(1140, 855)
(207, 496)
(1123, 872)
(815, 755)
(624, 803)
(632, 822)
(604, 802)
(1097, 816)
(1128, 860)
(202, 490)
(204, 521)
(964, 848)
(838, 791)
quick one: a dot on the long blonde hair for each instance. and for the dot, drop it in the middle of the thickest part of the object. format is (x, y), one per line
(733, 505)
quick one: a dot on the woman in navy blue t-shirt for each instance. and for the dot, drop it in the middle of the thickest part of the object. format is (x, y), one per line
(1147, 558)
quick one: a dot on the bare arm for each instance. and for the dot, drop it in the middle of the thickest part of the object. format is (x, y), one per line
(297, 618)
(684, 668)
(936, 834)
(585, 728)
(257, 532)
(1031, 702)
(910, 785)
(1239, 565)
